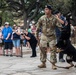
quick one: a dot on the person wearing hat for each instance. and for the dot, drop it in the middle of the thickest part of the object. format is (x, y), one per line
(7, 32)
(47, 23)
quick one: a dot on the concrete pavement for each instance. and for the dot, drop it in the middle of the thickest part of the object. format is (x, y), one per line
(28, 66)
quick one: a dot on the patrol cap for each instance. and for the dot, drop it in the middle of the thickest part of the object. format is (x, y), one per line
(48, 6)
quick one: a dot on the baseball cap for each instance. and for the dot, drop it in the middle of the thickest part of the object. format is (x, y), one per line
(6, 23)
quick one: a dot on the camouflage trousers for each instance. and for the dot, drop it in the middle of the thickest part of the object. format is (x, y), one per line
(46, 42)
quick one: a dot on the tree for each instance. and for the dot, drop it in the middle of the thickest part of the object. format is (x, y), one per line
(62, 5)
(0, 21)
(73, 10)
(33, 9)
(26, 8)
(4, 13)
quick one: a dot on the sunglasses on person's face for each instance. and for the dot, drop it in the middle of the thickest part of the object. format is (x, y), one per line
(6, 24)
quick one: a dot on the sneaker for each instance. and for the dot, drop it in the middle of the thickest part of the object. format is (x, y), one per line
(61, 60)
(6, 55)
(32, 56)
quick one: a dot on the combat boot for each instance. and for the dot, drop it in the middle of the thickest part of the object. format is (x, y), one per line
(54, 67)
(43, 65)
(71, 64)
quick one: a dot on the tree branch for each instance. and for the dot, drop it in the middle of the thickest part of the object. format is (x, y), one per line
(23, 4)
(36, 11)
(14, 4)
(18, 15)
(30, 8)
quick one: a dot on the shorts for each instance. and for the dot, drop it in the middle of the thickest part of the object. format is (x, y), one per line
(8, 45)
(16, 43)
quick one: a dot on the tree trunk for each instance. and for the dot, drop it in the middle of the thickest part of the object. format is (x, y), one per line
(25, 20)
(28, 23)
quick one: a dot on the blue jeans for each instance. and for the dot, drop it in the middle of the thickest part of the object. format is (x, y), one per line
(16, 43)
(25, 42)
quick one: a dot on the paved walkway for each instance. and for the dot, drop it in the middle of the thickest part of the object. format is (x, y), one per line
(28, 66)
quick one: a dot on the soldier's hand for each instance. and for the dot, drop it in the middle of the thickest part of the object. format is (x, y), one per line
(56, 16)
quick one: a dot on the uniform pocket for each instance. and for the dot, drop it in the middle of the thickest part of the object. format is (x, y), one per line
(43, 37)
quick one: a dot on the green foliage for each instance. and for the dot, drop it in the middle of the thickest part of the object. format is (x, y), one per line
(61, 5)
(18, 7)
(7, 17)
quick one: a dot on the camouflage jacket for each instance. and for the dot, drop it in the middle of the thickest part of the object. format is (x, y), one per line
(48, 25)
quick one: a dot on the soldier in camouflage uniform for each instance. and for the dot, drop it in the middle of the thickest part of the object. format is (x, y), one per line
(47, 22)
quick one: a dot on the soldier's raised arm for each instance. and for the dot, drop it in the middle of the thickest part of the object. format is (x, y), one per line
(58, 24)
